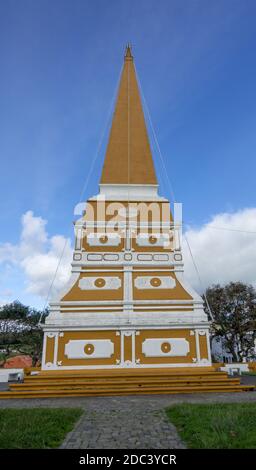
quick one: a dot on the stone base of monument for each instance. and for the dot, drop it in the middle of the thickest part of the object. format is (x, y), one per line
(124, 382)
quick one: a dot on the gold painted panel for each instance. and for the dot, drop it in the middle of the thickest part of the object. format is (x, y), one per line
(103, 248)
(77, 294)
(88, 310)
(162, 310)
(182, 333)
(89, 335)
(177, 293)
(128, 348)
(203, 346)
(49, 353)
(150, 248)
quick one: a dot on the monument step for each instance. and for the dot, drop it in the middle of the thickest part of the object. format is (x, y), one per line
(129, 372)
(55, 393)
(120, 383)
(131, 382)
(124, 382)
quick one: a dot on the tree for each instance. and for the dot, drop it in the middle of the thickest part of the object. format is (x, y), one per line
(20, 330)
(233, 308)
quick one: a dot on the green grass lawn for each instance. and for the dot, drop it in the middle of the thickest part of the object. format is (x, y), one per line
(216, 426)
(36, 428)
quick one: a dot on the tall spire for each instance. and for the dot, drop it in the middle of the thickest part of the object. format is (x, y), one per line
(128, 53)
(128, 157)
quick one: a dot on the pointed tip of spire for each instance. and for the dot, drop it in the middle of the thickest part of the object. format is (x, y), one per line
(128, 52)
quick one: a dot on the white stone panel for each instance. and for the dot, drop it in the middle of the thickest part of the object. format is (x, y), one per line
(94, 257)
(162, 239)
(146, 257)
(111, 257)
(152, 347)
(76, 349)
(117, 192)
(160, 257)
(90, 283)
(77, 256)
(144, 282)
(95, 239)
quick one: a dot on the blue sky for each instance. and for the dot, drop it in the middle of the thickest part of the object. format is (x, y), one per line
(60, 62)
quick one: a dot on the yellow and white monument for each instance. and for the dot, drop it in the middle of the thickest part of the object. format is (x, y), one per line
(127, 304)
(128, 322)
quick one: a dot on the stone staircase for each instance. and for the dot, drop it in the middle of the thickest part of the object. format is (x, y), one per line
(52, 384)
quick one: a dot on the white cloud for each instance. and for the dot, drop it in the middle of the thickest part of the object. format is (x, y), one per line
(38, 256)
(224, 249)
(33, 235)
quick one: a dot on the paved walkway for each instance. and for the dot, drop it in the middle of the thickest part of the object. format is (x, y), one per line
(132, 422)
(117, 429)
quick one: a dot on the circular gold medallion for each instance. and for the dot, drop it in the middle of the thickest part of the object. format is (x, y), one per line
(152, 239)
(89, 349)
(103, 239)
(99, 282)
(155, 282)
(165, 347)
